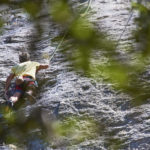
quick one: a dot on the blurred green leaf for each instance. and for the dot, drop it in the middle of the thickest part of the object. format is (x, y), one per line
(81, 29)
(76, 129)
(1, 23)
(4, 1)
(139, 7)
(32, 8)
(60, 11)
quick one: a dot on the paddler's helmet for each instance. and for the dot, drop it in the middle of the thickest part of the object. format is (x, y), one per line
(24, 56)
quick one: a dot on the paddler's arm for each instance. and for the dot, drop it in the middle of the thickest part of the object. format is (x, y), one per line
(43, 66)
(8, 81)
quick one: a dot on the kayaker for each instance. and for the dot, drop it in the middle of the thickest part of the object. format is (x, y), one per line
(25, 78)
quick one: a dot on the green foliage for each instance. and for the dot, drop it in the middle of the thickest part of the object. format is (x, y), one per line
(1, 24)
(60, 11)
(81, 30)
(4, 1)
(114, 144)
(141, 8)
(127, 75)
(76, 129)
(142, 35)
(31, 7)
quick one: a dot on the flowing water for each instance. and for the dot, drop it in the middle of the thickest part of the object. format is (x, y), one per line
(91, 114)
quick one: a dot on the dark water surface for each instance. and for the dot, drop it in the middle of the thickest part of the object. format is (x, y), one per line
(91, 114)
